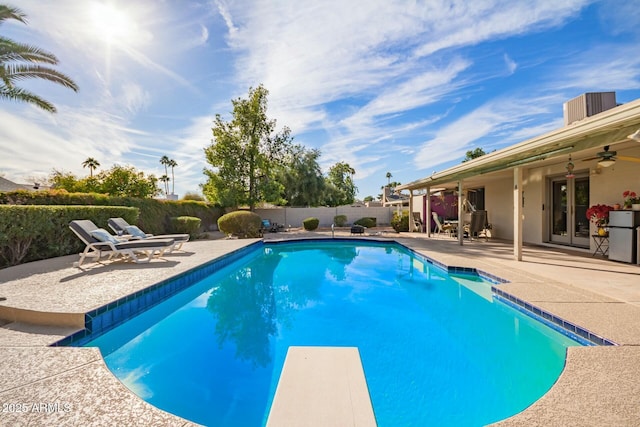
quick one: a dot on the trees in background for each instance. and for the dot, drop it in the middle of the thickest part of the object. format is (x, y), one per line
(341, 190)
(473, 154)
(20, 61)
(246, 154)
(117, 181)
(252, 164)
(302, 181)
(92, 164)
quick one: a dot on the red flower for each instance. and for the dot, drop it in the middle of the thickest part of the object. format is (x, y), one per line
(599, 214)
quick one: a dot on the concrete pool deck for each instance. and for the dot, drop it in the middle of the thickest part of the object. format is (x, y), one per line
(72, 386)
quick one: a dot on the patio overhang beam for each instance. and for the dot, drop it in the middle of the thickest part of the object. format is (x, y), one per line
(610, 127)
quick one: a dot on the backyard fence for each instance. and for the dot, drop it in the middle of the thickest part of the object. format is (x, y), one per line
(294, 216)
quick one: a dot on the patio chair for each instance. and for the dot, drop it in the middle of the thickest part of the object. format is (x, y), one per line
(268, 226)
(100, 242)
(357, 229)
(417, 221)
(478, 226)
(121, 226)
(440, 227)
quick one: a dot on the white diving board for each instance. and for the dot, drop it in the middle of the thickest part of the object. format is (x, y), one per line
(322, 386)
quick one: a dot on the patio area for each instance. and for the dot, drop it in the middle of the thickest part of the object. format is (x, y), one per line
(599, 385)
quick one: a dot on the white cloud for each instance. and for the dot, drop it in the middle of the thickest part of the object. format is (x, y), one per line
(510, 63)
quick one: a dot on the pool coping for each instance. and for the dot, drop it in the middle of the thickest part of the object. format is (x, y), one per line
(553, 405)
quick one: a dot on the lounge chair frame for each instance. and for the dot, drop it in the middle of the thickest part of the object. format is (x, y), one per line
(119, 225)
(138, 251)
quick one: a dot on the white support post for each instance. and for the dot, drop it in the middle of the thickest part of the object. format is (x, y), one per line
(517, 214)
(460, 215)
(411, 223)
(427, 216)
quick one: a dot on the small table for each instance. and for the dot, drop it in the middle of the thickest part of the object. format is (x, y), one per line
(602, 244)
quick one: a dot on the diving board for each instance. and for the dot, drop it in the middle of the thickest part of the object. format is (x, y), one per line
(322, 386)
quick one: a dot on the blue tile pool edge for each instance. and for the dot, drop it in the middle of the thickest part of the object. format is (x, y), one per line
(105, 318)
(570, 329)
(108, 316)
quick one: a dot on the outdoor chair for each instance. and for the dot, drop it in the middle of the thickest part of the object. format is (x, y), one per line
(357, 229)
(440, 227)
(268, 226)
(100, 242)
(478, 227)
(122, 227)
(417, 222)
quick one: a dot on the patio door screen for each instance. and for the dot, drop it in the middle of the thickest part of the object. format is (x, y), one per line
(568, 223)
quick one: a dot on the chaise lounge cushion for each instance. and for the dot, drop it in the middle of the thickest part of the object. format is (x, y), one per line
(135, 232)
(104, 236)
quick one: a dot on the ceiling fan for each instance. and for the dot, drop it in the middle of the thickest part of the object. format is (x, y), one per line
(607, 158)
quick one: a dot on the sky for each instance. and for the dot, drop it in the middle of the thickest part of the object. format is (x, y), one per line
(406, 87)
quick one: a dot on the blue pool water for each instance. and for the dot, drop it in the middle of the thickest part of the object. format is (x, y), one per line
(436, 349)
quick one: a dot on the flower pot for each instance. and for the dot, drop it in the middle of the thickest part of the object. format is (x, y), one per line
(602, 231)
(616, 207)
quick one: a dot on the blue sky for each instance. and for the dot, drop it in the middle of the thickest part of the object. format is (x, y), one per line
(405, 87)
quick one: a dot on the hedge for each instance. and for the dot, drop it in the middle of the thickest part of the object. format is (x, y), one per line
(340, 220)
(400, 222)
(311, 223)
(185, 225)
(368, 222)
(155, 214)
(34, 232)
(243, 224)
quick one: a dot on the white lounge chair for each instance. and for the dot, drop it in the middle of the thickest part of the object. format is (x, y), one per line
(121, 226)
(100, 242)
(439, 227)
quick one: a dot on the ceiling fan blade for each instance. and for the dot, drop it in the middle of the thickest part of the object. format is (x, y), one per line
(629, 159)
(591, 158)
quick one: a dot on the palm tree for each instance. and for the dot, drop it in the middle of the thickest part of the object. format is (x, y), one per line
(20, 61)
(172, 164)
(164, 160)
(165, 179)
(389, 179)
(92, 164)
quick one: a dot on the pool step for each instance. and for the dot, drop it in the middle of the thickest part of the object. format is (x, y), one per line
(322, 386)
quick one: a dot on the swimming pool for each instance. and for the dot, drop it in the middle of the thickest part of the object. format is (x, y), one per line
(436, 348)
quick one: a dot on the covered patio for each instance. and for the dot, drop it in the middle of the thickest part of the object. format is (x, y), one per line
(530, 188)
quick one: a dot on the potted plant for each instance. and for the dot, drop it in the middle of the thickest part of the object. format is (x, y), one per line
(631, 200)
(599, 215)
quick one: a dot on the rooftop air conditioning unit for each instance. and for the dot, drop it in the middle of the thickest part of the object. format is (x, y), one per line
(587, 105)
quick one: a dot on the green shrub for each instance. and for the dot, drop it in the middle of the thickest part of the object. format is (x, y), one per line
(243, 224)
(154, 214)
(311, 223)
(34, 232)
(186, 224)
(340, 220)
(366, 222)
(400, 222)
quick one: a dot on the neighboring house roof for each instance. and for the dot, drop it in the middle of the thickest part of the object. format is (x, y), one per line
(606, 128)
(6, 185)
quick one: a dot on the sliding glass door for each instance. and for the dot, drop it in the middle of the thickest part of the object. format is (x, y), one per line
(569, 201)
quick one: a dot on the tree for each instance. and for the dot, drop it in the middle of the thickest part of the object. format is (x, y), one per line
(92, 164)
(164, 160)
(473, 154)
(127, 181)
(389, 179)
(172, 164)
(246, 154)
(368, 199)
(301, 178)
(20, 61)
(165, 179)
(341, 189)
(118, 181)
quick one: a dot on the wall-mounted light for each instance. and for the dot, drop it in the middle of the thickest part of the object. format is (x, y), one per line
(635, 136)
(605, 163)
(570, 167)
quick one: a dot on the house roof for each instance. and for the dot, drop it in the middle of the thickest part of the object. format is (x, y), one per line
(607, 128)
(6, 185)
